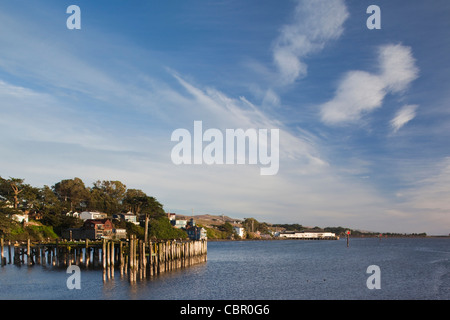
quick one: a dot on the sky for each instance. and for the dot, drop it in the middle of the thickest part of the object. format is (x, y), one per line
(363, 114)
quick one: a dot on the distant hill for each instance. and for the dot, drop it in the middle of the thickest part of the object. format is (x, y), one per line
(209, 220)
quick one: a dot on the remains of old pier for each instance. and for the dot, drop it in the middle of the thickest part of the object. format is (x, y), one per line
(135, 258)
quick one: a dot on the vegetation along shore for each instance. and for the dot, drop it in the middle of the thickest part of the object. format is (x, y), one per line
(108, 209)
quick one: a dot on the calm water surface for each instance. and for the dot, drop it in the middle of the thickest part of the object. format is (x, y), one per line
(264, 270)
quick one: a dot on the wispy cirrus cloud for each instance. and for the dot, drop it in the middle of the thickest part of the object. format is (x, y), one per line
(361, 92)
(403, 116)
(315, 23)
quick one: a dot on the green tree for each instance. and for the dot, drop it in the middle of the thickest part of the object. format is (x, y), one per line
(161, 228)
(107, 196)
(72, 193)
(152, 209)
(49, 202)
(7, 225)
(11, 189)
(226, 229)
(252, 225)
(134, 200)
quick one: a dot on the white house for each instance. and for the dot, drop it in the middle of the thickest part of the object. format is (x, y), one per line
(85, 215)
(239, 231)
(20, 217)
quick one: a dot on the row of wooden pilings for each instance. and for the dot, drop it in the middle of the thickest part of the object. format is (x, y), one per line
(134, 257)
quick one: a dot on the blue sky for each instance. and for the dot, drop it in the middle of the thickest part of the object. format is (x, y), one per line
(363, 114)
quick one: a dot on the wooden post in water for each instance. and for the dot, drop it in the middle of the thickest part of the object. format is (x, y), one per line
(16, 255)
(38, 254)
(2, 253)
(144, 261)
(29, 255)
(112, 260)
(140, 261)
(86, 253)
(150, 258)
(121, 258)
(104, 253)
(9, 251)
(132, 258)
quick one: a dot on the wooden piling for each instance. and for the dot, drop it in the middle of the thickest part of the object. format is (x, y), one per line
(3, 262)
(112, 255)
(121, 260)
(9, 251)
(104, 253)
(28, 252)
(134, 258)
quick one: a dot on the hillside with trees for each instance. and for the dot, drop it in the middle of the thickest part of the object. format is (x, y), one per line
(48, 208)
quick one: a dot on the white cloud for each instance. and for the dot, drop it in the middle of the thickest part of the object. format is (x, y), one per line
(397, 66)
(315, 22)
(361, 92)
(403, 116)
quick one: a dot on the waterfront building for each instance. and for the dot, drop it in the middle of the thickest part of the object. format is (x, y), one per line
(93, 229)
(86, 215)
(196, 233)
(180, 224)
(128, 217)
(239, 231)
(99, 227)
(307, 235)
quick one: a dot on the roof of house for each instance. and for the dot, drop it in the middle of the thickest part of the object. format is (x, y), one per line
(96, 221)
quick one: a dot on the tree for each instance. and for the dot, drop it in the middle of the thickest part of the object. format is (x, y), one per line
(10, 189)
(6, 223)
(252, 225)
(72, 192)
(15, 185)
(48, 200)
(161, 228)
(134, 200)
(139, 203)
(152, 209)
(107, 196)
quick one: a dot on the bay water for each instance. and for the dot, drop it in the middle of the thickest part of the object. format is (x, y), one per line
(408, 268)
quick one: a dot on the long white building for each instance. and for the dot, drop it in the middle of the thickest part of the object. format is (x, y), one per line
(307, 235)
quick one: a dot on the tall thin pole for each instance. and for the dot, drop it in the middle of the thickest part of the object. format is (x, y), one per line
(348, 236)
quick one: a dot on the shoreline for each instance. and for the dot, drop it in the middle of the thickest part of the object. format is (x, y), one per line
(341, 238)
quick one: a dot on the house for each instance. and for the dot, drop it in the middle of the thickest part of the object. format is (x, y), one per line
(171, 216)
(119, 234)
(98, 228)
(239, 231)
(196, 233)
(95, 230)
(128, 217)
(20, 217)
(86, 215)
(180, 224)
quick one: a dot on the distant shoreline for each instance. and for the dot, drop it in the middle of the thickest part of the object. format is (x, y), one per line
(341, 238)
